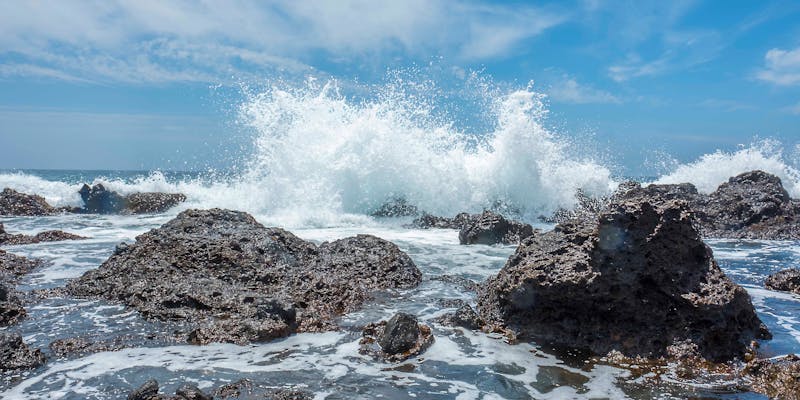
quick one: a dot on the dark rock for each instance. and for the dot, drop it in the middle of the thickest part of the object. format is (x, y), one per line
(244, 388)
(191, 392)
(16, 355)
(586, 207)
(16, 203)
(464, 317)
(238, 281)
(462, 283)
(46, 236)
(428, 221)
(99, 200)
(11, 310)
(148, 391)
(396, 208)
(13, 266)
(636, 280)
(290, 394)
(80, 346)
(787, 280)
(398, 339)
(492, 228)
(778, 379)
(400, 334)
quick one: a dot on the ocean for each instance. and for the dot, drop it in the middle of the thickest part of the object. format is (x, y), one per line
(319, 166)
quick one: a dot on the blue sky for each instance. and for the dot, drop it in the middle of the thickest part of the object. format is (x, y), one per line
(151, 84)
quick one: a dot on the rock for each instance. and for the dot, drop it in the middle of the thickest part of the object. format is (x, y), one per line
(398, 339)
(246, 389)
(787, 280)
(148, 391)
(11, 310)
(636, 280)
(492, 228)
(290, 394)
(99, 200)
(585, 207)
(191, 392)
(428, 221)
(237, 281)
(396, 208)
(46, 236)
(464, 317)
(778, 378)
(16, 203)
(753, 205)
(13, 266)
(16, 355)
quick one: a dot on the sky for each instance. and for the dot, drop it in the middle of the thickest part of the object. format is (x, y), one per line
(152, 84)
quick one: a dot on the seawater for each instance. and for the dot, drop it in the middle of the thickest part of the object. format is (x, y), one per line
(319, 165)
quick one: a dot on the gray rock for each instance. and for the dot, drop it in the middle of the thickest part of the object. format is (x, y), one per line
(397, 339)
(492, 228)
(148, 391)
(787, 280)
(636, 280)
(11, 310)
(16, 203)
(464, 317)
(191, 392)
(16, 355)
(237, 281)
(99, 200)
(400, 334)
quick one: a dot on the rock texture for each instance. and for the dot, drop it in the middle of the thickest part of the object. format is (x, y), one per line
(99, 200)
(778, 379)
(396, 208)
(399, 338)
(464, 317)
(492, 228)
(16, 203)
(13, 266)
(46, 236)
(16, 355)
(11, 310)
(787, 280)
(238, 281)
(637, 280)
(428, 221)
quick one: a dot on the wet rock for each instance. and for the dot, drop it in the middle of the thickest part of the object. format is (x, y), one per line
(461, 282)
(46, 236)
(428, 221)
(11, 310)
(776, 378)
(464, 317)
(586, 207)
(636, 280)
(14, 266)
(16, 203)
(148, 391)
(787, 280)
(99, 200)
(492, 228)
(398, 339)
(753, 205)
(80, 346)
(245, 388)
(237, 281)
(396, 208)
(289, 394)
(16, 355)
(191, 392)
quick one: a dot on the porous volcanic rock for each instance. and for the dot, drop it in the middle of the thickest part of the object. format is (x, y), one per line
(16, 355)
(777, 378)
(492, 228)
(99, 200)
(428, 221)
(464, 317)
(753, 205)
(787, 280)
(46, 236)
(637, 280)
(13, 266)
(397, 339)
(396, 208)
(13, 202)
(11, 310)
(238, 281)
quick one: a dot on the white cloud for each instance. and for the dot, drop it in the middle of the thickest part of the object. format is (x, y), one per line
(726, 105)
(182, 40)
(568, 90)
(782, 67)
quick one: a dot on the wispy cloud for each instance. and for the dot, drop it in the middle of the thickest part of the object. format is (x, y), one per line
(726, 105)
(782, 67)
(157, 41)
(568, 90)
(793, 109)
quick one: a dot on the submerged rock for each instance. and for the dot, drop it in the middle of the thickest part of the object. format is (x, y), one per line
(492, 228)
(46, 236)
(428, 221)
(399, 338)
(787, 280)
(396, 208)
(16, 355)
(13, 266)
(99, 200)
(464, 317)
(637, 280)
(16, 203)
(238, 281)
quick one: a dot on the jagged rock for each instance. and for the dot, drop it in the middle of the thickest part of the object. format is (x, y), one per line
(778, 379)
(16, 355)
(148, 391)
(636, 280)
(787, 280)
(46, 236)
(191, 392)
(13, 266)
(464, 317)
(99, 200)
(396, 208)
(428, 221)
(16, 203)
(398, 339)
(238, 281)
(492, 228)
(11, 310)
